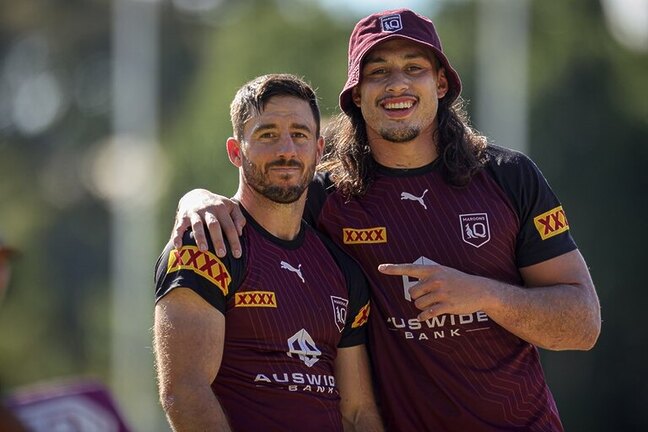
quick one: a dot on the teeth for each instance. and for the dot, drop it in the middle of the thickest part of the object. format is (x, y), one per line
(399, 105)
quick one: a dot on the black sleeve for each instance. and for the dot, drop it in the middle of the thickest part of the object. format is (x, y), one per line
(544, 229)
(355, 328)
(319, 189)
(214, 279)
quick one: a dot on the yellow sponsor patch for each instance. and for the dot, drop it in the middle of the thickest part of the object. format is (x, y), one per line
(551, 223)
(255, 299)
(202, 263)
(362, 316)
(364, 236)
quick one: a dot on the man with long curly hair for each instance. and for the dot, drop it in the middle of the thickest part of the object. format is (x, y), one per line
(467, 249)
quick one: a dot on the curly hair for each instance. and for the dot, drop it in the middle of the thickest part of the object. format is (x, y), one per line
(348, 154)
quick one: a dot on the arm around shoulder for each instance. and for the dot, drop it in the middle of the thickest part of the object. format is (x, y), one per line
(222, 216)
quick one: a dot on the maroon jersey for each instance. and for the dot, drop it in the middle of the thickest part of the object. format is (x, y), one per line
(289, 305)
(454, 372)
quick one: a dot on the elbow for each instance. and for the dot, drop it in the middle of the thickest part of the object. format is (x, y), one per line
(591, 325)
(173, 396)
(593, 332)
(584, 340)
(168, 399)
(590, 339)
(587, 340)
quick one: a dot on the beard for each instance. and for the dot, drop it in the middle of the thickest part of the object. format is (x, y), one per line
(257, 179)
(400, 135)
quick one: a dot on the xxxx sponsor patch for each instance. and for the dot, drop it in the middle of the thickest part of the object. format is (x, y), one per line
(551, 223)
(204, 264)
(364, 236)
(255, 299)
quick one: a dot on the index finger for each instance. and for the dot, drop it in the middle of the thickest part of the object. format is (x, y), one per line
(414, 270)
(180, 225)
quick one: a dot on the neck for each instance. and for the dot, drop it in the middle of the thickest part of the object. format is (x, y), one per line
(281, 220)
(419, 152)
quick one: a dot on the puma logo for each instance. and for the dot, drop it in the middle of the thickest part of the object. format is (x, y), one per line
(409, 196)
(286, 266)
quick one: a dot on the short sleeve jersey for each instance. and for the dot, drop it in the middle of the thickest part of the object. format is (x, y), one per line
(289, 305)
(454, 372)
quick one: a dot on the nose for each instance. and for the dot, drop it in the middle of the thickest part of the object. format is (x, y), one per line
(287, 147)
(398, 82)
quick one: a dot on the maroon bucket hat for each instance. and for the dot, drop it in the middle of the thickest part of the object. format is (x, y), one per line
(387, 25)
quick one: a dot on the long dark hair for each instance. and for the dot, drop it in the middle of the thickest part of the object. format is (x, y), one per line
(348, 155)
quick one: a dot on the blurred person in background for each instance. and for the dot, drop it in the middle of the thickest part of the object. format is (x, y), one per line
(8, 421)
(7, 253)
(274, 340)
(467, 249)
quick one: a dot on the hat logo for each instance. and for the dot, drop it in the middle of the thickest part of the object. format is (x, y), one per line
(391, 23)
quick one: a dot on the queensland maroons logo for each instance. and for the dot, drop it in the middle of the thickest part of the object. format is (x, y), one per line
(339, 311)
(391, 23)
(475, 229)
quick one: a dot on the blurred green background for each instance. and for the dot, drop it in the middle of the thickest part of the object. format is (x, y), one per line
(110, 111)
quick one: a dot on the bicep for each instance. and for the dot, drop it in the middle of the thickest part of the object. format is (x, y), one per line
(189, 337)
(567, 269)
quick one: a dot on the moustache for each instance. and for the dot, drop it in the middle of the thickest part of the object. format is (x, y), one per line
(284, 163)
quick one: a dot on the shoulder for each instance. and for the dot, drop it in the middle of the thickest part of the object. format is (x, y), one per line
(323, 180)
(190, 264)
(511, 168)
(318, 191)
(506, 159)
(321, 186)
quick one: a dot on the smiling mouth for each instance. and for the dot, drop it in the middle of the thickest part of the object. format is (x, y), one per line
(398, 105)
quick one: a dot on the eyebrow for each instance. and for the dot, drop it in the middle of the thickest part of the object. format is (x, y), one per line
(271, 126)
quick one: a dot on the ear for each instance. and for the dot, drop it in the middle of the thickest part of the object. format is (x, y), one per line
(320, 149)
(442, 83)
(234, 151)
(355, 95)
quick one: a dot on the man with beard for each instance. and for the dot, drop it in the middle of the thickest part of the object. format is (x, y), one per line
(274, 340)
(467, 249)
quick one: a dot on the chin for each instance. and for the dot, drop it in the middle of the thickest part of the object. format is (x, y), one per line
(402, 135)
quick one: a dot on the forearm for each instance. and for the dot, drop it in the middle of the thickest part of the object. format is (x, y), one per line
(558, 308)
(194, 408)
(559, 317)
(357, 403)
